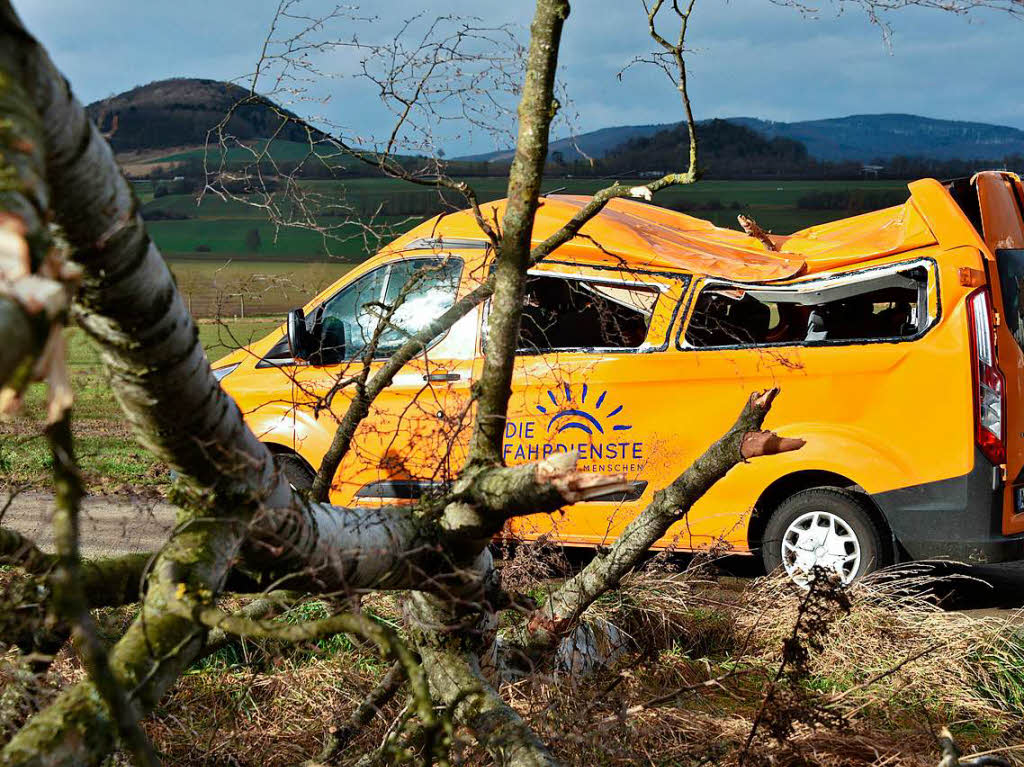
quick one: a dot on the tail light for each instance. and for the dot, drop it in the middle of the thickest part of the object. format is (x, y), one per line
(989, 385)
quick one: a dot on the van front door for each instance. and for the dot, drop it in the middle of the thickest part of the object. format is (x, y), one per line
(412, 440)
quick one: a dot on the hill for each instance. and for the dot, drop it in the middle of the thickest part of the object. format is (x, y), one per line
(180, 111)
(726, 148)
(857, 138)
(883, 136)
(594, 144)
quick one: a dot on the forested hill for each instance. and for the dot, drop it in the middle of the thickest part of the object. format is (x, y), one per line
(883, 136)
(857, 138)
(727, 148)
(179, 112)
(593, 144)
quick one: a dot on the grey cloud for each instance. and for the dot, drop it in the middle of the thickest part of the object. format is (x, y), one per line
(751, 57)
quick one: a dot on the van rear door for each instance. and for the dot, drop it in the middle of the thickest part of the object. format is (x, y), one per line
(1001, 200)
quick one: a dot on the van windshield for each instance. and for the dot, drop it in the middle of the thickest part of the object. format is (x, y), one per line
(1010, 264)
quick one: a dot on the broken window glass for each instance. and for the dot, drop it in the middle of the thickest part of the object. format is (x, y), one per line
(347, 321)
(1010, 264)
(869, 306)
(421, 288)
(560, 313)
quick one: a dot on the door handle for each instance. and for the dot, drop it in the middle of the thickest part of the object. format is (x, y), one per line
(441, 377)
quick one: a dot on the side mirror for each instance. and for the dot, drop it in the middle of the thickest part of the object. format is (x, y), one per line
(300, 340)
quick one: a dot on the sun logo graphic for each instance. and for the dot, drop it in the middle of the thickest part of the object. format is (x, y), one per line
(567, 412)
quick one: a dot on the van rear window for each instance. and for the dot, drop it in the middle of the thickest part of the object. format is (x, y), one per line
(1010, 264)
(870, 306)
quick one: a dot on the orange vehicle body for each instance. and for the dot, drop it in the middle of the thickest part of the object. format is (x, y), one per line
(894, 418)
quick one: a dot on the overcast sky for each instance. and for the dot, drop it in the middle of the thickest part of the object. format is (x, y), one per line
(750, 58)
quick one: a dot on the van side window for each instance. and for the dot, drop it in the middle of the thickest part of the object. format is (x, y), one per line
(872, 306)
(345, 319)
(422, 288)
(561, 313)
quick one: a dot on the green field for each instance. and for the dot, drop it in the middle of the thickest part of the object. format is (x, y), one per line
(111, 460)
(221, 225)
(283, 151)
(228, 236)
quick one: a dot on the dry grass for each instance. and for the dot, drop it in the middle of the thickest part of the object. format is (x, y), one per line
(897, 649)
(890, 672)
(269, 718)
(885, 676)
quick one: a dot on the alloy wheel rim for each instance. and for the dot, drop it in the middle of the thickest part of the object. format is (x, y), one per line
(823, 539)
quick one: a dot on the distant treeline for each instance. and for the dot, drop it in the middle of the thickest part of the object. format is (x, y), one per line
(852, 199)
(729, 151)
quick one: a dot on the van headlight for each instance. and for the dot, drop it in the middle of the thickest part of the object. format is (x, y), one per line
(220, 373)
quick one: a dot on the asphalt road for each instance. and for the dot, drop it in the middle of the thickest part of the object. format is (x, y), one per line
(110, 524)
(120, 524)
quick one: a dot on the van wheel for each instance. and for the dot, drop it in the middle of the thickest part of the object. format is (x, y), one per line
(823, 526)
(295, 470)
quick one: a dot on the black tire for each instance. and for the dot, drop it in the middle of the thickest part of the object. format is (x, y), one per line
(296, 470)
(852, 510)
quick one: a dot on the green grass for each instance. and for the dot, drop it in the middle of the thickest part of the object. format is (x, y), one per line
(1002, 671)
(109, 462)
(223, 236)
(143, 189)
(273, 655)
(198, 237)
(110, 457)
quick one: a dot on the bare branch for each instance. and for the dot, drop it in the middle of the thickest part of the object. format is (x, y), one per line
(69, 598)
(343, 733)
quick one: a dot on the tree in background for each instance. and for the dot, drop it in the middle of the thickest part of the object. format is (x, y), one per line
(252, 240)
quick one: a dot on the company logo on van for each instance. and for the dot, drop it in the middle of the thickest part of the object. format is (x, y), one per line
(605, 445)
(587, 417)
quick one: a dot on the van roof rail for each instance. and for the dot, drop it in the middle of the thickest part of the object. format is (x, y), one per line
(440, 243)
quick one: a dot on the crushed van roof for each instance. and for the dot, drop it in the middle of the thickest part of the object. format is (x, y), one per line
(641, 236)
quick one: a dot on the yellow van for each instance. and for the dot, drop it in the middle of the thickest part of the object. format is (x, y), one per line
(897, 338)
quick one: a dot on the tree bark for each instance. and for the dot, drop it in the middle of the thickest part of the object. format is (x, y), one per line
(537, 108)
(24, 201)
(452, 662)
